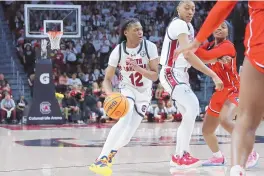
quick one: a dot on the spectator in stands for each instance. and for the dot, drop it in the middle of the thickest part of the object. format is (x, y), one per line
(194, 79)
(160, 112)
(74, 80)
(29, 59)
(8, 109)
(99, 105)
(4, 86)
(97, 71)
(90, 102)
(88, 52)
(70, 55)
(31, 83)
(87, 78)
(62, 83)
(3, 81)
(104, 51)
(21, 105)
(150, 113)
(171, 109)
(58, 60)
(70, 108)
(6, 89)
(159, 91)
(173, 113)
(114, 38)
(96, 89)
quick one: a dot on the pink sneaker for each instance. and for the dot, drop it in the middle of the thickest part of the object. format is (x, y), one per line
(252, 160)
(184, 162)
(215, 161)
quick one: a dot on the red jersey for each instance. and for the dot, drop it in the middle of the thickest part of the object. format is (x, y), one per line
(220, 12)
(226, 72)
(254, 36)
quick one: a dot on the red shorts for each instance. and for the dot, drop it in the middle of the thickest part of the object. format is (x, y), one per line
(254, 40)
(219, 98)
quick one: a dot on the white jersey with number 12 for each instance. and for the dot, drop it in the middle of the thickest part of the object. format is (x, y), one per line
(143, 53)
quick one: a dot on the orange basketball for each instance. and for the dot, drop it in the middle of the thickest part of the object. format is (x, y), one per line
(116, 106)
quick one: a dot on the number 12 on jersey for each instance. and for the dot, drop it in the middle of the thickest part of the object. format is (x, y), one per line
(136, 79)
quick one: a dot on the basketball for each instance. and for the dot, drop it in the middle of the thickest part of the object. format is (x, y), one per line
(116, 106)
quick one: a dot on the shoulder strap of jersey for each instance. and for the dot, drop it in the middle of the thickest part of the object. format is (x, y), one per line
(146, 48)
(120, 52)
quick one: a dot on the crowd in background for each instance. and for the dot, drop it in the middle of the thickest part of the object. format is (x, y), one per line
(11, 111)
(78, 67)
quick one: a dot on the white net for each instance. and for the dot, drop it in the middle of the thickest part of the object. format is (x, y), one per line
(54, 37)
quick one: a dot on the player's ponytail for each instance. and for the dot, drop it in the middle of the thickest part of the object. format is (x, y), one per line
(124, 26)
(175, 13)
(230, 31)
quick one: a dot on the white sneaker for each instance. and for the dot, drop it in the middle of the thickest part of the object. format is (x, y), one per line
(237, 171)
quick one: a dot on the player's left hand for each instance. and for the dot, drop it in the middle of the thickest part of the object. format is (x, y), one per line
(133, 64)
(219, 85)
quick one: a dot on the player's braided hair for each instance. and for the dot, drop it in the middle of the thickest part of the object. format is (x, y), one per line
(124, 26)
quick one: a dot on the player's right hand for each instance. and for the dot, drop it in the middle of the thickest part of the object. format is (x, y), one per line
(219, 85)
(225, 59)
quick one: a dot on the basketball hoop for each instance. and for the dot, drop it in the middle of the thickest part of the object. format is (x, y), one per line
(55, 37)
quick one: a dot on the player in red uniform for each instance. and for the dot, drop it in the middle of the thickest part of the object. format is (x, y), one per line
(250, 109)
(223, 103)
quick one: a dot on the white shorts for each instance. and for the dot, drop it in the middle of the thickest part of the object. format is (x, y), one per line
(176, 83)
(141, 99)
(171, 77)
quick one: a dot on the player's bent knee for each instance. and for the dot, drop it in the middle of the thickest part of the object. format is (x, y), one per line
(249, 121)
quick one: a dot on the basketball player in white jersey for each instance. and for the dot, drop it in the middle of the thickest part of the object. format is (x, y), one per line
(175, 79)
(138, 62)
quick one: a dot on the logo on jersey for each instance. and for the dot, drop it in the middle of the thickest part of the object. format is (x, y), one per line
(139, 62)
(133, 54)
(144, 108)
(237, 99)
(143, 53)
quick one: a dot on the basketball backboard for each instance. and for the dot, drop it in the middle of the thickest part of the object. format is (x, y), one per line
(41, 18)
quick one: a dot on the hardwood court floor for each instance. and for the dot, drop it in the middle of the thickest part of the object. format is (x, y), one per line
(67, 150)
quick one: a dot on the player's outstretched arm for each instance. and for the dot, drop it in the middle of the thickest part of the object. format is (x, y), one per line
(197, 63)
(217, 53)
(107, 83)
